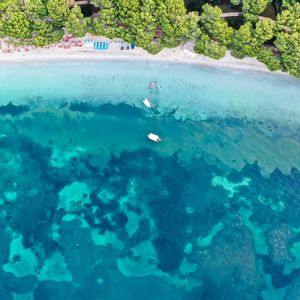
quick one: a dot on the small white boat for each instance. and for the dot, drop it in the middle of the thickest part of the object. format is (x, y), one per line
(154, 137)
(147, 102)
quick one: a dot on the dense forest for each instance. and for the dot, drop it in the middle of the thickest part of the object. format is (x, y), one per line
(155, 24)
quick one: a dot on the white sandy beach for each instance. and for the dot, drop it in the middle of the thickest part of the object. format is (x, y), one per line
(181, 54)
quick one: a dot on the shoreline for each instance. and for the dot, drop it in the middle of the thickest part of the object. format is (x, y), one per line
(192, 86)
(183, 55)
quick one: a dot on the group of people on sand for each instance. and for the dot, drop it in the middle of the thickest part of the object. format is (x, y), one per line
(68, 42)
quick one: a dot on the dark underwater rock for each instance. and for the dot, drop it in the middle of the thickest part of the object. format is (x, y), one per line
(78, 249)
(5, 242)
(5, 295)
(228, 266)
(13, 110)
(55, 290)
(279, 279)
(169, 254)
(17, 285)
(293, 292)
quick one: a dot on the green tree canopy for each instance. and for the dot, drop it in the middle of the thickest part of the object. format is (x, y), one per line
(266, 56)
(16, 24)
(205, 45)
(145, 24)
(214, 25)
(76, 24)
(289, 19)
(35, 9)
(235, 2)
(138, 21)
(244, 42)
(174, 21)
(9, 5)
(288, 38)
(289, 46)
(255, 7)
(44, 33)
(288, 3)
(107, 22)
(192, 30)
(58, 11)
(264, 30)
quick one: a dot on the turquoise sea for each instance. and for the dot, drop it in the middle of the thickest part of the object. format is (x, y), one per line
(92, 209)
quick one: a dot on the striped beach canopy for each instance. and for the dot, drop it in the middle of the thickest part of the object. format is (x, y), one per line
(101, 45)
(88, 43)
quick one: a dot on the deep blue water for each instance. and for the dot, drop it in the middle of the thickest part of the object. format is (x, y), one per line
(91, 209)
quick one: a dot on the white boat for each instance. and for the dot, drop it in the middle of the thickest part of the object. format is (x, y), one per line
(147, 102)
(154, 137)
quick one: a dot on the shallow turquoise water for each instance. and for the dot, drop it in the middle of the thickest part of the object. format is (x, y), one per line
(91, 209)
